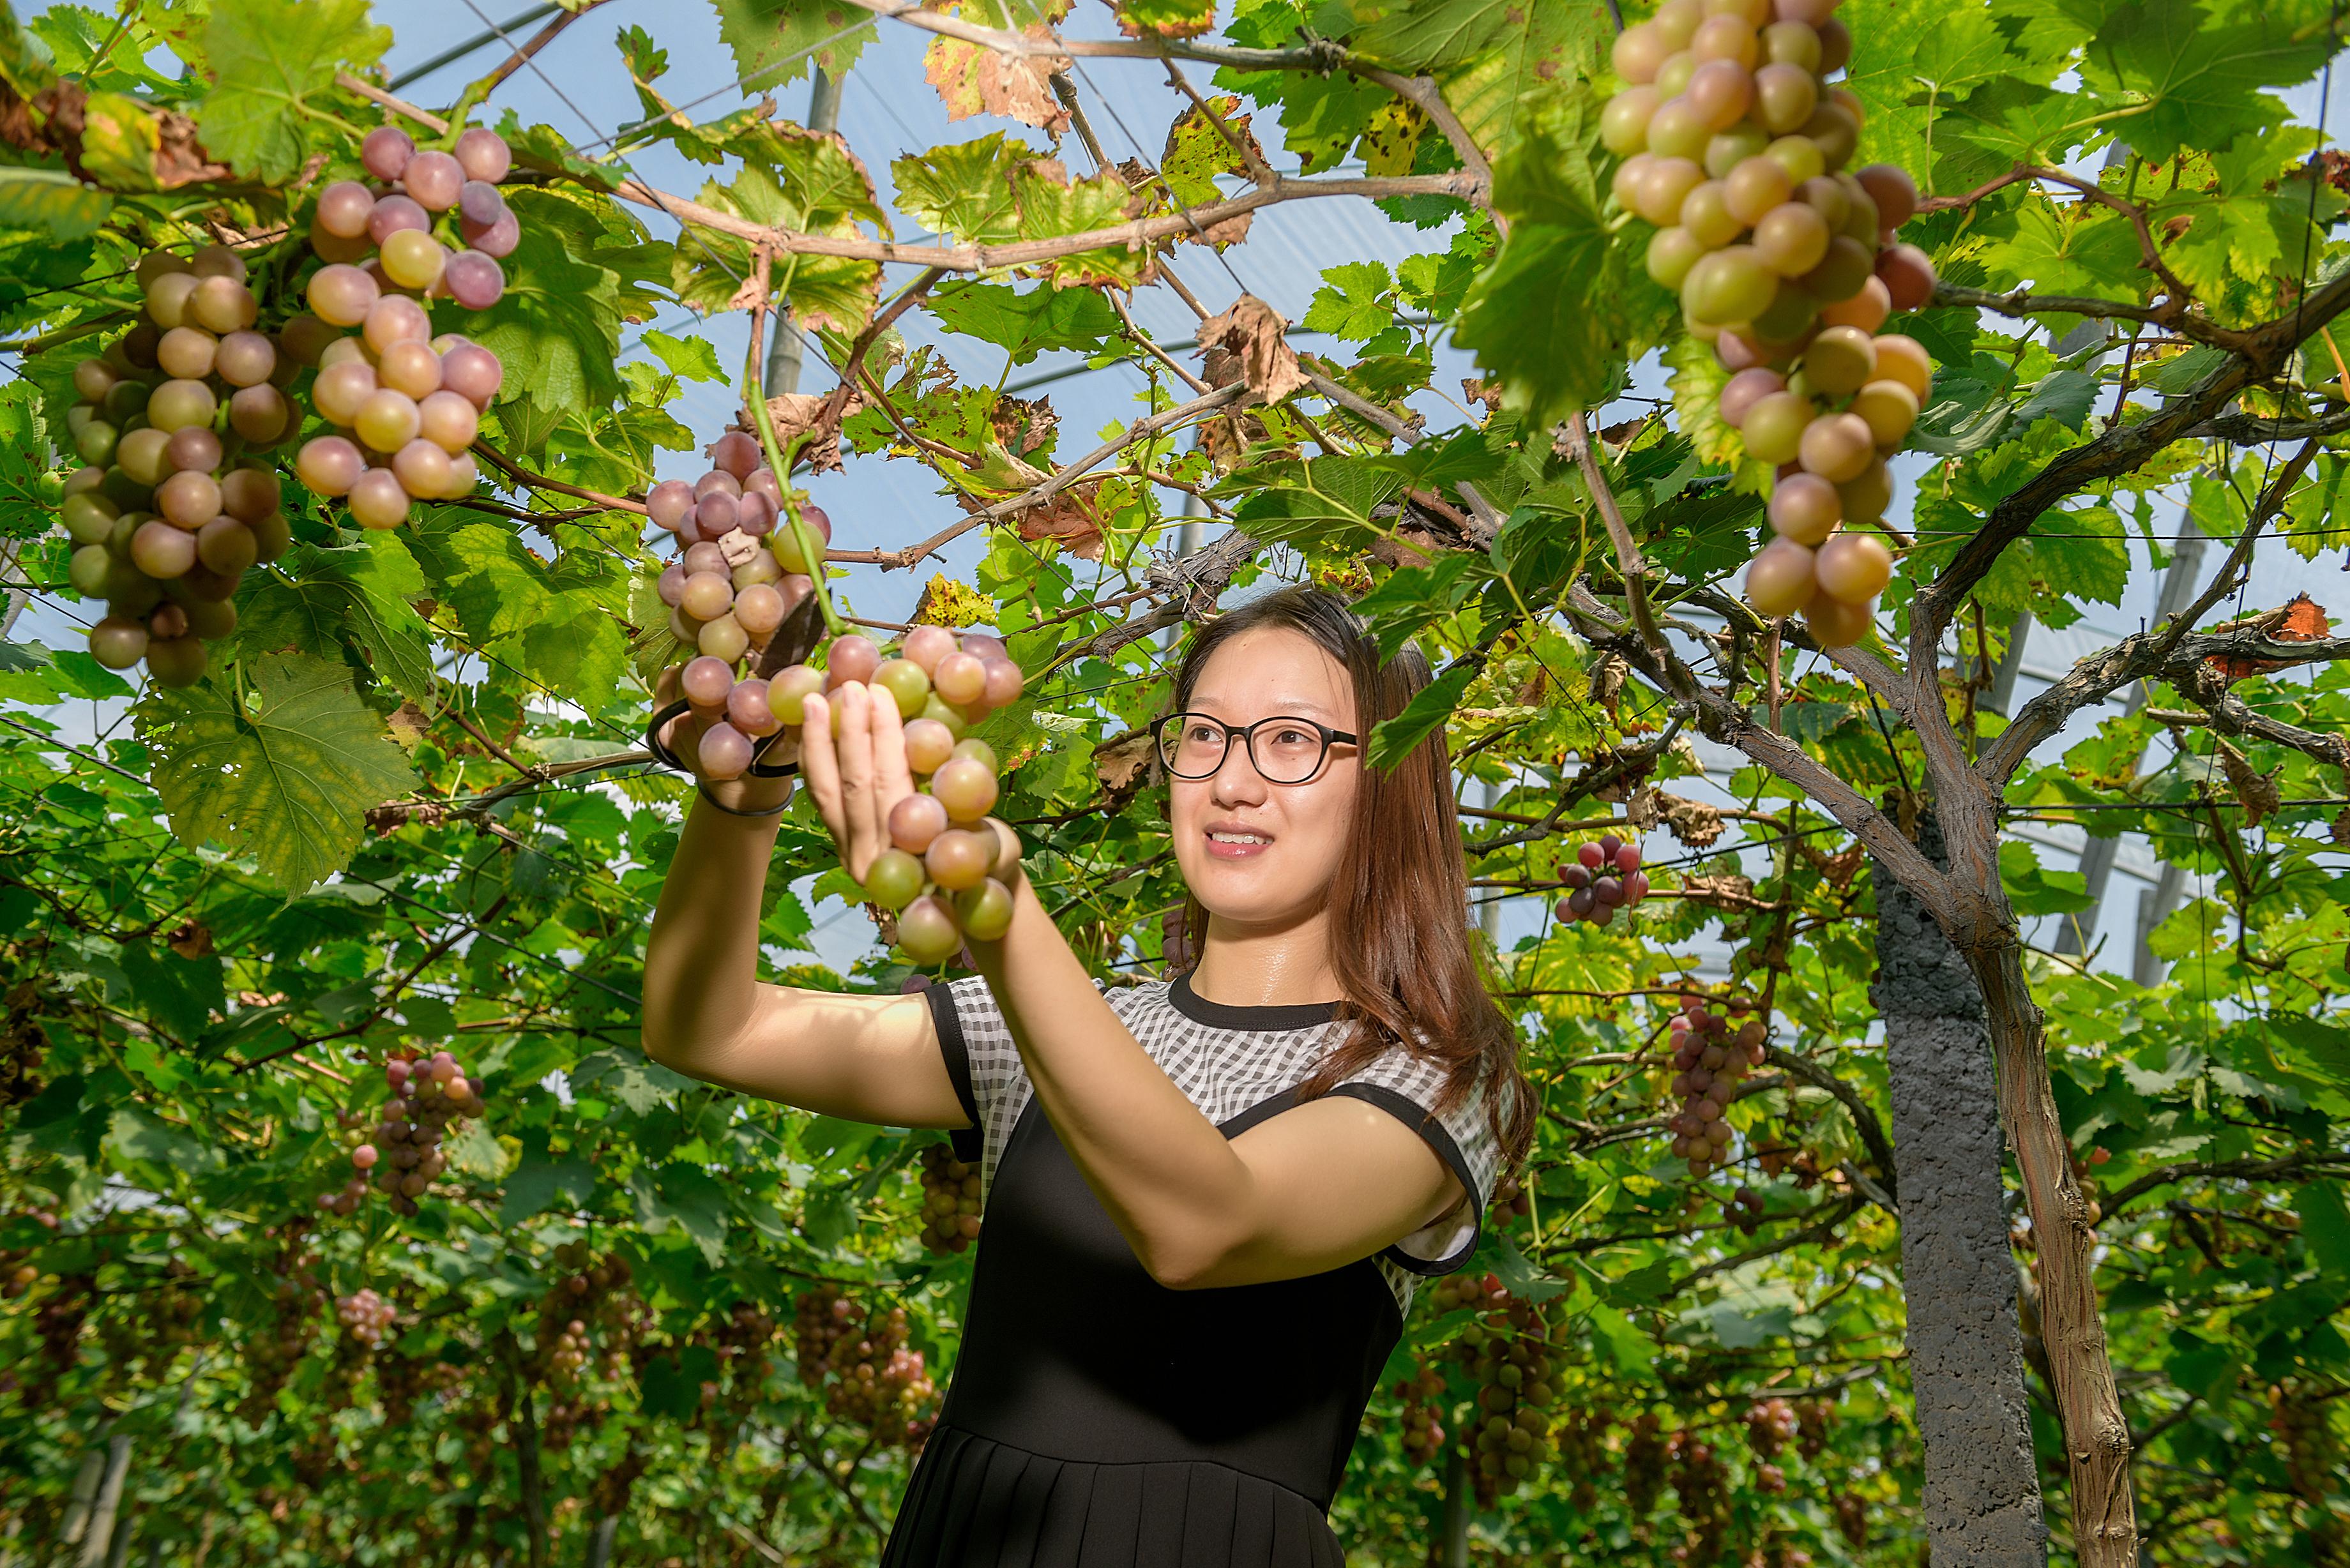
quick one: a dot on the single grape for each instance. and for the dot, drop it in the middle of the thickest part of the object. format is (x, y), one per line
(716, 514)
(1779, 580)
(1004, 680)
(423, 469)
(703, 557)
(88, 569)
(227, 545)
(905, 684)
(960, 677)
(1854, 567)
(1890, 408)
(155, 265)
(448, 421)
(1904, 359)
(1866, 309)
(929, 743)
(261, 415)
(1835, 623)
(412, 369)
(167, 298)
(1731, 148)
(1792, 239)
(1666, 185)
(748, 709)
(415, 259)
(1624, 123)
(1754, 187)
(161, 550)
(92, 379)
(463, 476)
(175, 662)
(966, 787)
(705, 682)
(915, 820)
(385, 150)
(377, 500)
(708, 595)
(894, 879)
(1639, 49)
(192, 447)
(433, 181)
(305, 337)
(1834, 132)
(484, 154)
(791, 687)
(1730, 286)
(1839, 360)
(1674, 75)
(1629, 177)
(925, 645)
(244, 359)
(671, 586)
(669, 503)
(979, 751)
(1672, 254)
(759, 608)
(480, 204)
(1720, 91)
(957, 859)
(984, 911)
(1837, 447)
(717, 480)
(343, 209)
(1744, 390)
(1805, 508)
(187, 352)
(249, 494)
(222, 306)
(493, 239)
(475, 279)
(928, 933)
(852, 658)
(734, 453)
(189, 499)
(177, 404)
(395, 319)
(1907, 274)
(1678, 129)
(117, 643)
(1721, 37)
(341, 296)
(725, 753)
(89, 517)
(329, 465)
(473, 372)
(386, 421)
(1841, 273)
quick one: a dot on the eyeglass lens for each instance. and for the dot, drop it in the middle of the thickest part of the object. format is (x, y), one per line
(1284, 750)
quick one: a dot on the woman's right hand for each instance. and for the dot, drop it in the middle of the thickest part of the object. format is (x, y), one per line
(683, 735)
(858, 777)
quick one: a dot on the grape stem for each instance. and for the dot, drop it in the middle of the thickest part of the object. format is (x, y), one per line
(754, 398)
(1628, 556)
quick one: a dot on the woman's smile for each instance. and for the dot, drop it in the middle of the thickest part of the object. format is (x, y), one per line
(1236, 840)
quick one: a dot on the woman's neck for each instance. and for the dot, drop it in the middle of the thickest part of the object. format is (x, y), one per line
(1266, 966)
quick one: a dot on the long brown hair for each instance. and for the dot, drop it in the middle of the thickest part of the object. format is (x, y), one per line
(1400, 902)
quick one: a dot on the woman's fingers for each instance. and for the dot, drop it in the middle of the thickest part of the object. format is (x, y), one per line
(820, 766)
(893, 780)
(856, 776)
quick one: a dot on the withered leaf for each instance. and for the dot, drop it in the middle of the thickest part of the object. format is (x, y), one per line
(1252, 333)
(973, 80)
(1691, 822)
(1123, 765)
(2257, 790)
(795, 415)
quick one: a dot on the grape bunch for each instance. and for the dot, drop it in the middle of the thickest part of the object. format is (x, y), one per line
(1511, 1201)
(1709, 1059)
(1506, 1351)
(174, 502)
(726, 591)
(1423, 1411)
(1770, 1424)
(428, 1094)
(406, 403)
(950, 1201)
(365, 1316)
(1734, 143)
(948, 872)
(1701, 1483)
(868, 1373)
(1605, 877)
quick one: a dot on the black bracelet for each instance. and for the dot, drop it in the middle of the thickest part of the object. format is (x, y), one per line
(712, 799)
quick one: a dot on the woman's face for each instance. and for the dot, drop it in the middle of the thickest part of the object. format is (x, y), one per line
(1260, 855)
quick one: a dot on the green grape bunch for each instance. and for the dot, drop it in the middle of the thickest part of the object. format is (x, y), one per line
(1735, 139)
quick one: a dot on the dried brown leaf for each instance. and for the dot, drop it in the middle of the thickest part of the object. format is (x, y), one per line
(795, 415)
(1123, 765)
(1252, 333)
(2257, 790)
(973, 80)
(1691, 822)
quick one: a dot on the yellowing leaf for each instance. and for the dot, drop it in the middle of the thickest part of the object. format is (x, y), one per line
(285, 777)
(973, 80)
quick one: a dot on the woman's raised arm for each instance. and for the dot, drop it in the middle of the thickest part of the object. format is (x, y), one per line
(706, 1014)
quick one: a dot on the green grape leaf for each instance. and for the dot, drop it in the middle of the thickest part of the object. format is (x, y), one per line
(52, 200)
(2191, 81)
(963, 190)
(268, 60)
(1354, 302)
(351, 601)
(774, 40)
(1029, 322)
(285, 775)
(790, 179)
(1393, 739)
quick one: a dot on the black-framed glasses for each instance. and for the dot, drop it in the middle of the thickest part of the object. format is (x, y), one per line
(1284, 750)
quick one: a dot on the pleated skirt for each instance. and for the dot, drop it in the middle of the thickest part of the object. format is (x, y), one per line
(977, 1503)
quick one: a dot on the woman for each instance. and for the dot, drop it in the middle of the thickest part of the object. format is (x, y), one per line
(1206, 1198)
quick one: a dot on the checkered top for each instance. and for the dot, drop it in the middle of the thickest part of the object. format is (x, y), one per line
(1229, 1061)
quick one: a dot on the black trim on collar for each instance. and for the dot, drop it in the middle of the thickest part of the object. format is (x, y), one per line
(1224, 1015)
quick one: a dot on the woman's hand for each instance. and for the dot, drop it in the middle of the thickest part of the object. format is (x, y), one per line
(858, 776)
(683, 735)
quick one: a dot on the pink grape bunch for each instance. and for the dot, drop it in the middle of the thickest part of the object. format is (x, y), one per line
(365, 1316)
(950, 1201)
(431, 1100)
(1605, 877)
(949, 869)
(1710, 1056)
(173, 500)
(405, 403)
(738, 571)
(1423, 1397)
(1735, 142)
(859, 1356)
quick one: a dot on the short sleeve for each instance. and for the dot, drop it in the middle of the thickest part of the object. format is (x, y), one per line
(1406, 1086)
(983, 1063)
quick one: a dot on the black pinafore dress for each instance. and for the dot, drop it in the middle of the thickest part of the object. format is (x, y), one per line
(1096, 1419)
